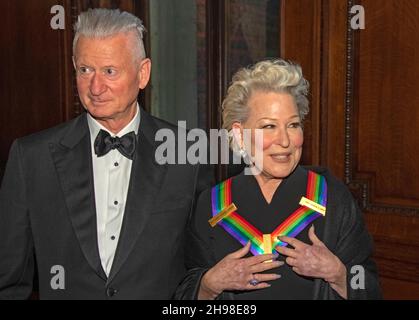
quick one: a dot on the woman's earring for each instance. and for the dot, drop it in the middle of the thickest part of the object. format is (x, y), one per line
(246, 159)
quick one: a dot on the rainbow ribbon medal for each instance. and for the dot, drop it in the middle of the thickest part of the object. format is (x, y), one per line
(224, 213)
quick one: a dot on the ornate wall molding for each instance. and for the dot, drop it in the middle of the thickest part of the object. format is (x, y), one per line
(75, 11)
(361, 187)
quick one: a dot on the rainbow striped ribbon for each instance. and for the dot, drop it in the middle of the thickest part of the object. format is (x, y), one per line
(243, 231)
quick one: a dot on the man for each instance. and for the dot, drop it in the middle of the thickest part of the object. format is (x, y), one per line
(104, 220)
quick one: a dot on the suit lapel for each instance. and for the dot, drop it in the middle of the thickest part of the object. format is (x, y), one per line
(145, 183)
(73, 162)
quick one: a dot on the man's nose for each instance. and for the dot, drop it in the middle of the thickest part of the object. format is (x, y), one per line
(97, 85)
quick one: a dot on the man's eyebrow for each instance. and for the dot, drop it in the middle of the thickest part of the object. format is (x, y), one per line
(267, 118)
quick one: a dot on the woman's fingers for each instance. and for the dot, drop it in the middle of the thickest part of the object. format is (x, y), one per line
(261, 281)
(297, 270)
(259, 259)
(261, 285)
(287, 252)
(297, 244)
(313, 237)
(291, 262)
(264, 277)
(240, 253)
(261, 267)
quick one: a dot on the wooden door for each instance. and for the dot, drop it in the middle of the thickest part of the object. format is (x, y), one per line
(364, 117)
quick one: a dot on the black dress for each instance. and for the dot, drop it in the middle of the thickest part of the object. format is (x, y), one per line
(208, 245)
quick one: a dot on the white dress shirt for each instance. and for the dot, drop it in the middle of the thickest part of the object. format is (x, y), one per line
(111, 174)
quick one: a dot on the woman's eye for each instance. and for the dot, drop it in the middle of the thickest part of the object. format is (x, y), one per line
(268, 126)
(295, 125)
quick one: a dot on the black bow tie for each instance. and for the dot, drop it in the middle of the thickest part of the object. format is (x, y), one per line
(105, 143)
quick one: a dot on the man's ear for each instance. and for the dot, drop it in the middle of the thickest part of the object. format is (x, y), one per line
(144, 72)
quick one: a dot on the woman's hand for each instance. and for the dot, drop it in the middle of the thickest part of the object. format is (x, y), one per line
(315, 261)
(234, 272)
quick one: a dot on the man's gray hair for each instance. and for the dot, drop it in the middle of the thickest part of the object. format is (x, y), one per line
(102, 23)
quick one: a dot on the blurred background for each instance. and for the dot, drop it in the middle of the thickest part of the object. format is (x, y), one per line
(364, 117)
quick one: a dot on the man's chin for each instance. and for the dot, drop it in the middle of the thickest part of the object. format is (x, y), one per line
(99, 104)
(99, 112)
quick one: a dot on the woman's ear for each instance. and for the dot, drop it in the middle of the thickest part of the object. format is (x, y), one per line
(237, 130)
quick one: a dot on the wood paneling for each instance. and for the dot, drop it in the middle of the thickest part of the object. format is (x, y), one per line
(385, 104)
(391, 287)
(384, 138)
(37, 85)
(304, 48)
(34, 82)
(364, 122)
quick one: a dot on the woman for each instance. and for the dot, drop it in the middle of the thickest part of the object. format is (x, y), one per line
(295, 232)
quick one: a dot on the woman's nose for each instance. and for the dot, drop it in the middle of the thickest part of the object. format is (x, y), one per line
(282, 138)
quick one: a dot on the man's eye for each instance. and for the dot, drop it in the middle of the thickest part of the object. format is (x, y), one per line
(110, 72)
(84, 70)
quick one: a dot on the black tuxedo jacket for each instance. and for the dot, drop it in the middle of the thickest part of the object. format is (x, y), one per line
(47, 210)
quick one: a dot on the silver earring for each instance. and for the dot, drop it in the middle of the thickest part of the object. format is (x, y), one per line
(245, 156)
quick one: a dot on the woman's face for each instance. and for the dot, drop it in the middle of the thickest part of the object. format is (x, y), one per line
(276, 115)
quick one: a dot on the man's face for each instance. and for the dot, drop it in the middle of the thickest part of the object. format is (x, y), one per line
(109, 77)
